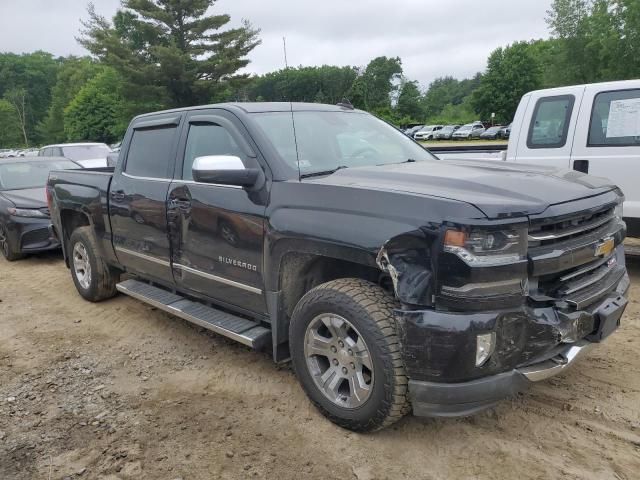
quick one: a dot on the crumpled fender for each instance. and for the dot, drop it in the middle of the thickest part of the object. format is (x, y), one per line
(409, 258)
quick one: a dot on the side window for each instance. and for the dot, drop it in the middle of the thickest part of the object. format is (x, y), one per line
(207, 139)
(550, 122)
(615, 119)
(150, 152)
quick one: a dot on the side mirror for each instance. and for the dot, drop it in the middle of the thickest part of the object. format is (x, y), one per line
(224, 170)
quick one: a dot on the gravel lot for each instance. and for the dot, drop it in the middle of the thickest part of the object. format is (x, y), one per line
(119, 390)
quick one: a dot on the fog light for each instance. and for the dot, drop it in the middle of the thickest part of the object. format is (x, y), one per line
(485, 344)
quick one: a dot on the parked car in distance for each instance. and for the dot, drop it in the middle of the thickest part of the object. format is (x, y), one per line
(410, 132)
(468, 131)
(88, 155)
(492, 133)
(24, 215)
(427, 132)
(446, 132)
(29, 152)
(8, 153)
(328, 256)
(505, 133)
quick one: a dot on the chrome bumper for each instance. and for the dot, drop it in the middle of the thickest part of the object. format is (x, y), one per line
(555, 365)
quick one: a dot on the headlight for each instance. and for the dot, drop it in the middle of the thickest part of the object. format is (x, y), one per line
(481, 247)
(618, 210)
(27, 212)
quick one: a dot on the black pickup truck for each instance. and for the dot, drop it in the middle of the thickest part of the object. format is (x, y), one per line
(393, 281)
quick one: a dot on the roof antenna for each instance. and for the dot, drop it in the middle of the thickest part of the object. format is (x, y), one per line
(293, 121)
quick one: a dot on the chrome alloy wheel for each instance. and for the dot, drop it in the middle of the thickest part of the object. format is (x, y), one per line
(339, 361)
(81, 265)
(4, 242)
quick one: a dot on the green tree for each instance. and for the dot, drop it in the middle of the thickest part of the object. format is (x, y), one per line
(96, 112)
(511, 72)
(10, 132)
(325, 84)
(373, 87)
(73, 74)
(170, 52)
(32, 74)
(409, 102)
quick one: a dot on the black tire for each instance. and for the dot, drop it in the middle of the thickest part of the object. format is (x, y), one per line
(103, 278)
(370, 310)
(10, 252)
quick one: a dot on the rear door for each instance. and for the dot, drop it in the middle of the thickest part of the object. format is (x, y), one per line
(608, 140)
(549, 123)
(138, 197)
(217, 230)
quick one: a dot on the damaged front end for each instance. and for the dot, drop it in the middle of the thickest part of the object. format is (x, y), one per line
(485, 305)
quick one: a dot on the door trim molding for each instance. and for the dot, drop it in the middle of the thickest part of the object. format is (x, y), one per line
(216, 278)
(149, 258)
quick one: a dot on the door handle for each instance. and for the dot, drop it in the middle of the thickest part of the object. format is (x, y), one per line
(181, 204)
(118, 195)
(581, 166)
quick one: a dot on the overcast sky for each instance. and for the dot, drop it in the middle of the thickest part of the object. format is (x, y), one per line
(433, 37)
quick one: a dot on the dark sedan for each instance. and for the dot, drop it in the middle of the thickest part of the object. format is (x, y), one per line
(492, 133)
(24, 216)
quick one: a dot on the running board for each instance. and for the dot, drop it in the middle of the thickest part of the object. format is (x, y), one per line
(237, 328)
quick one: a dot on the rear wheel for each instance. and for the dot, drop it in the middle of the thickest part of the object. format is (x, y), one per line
(345, 352)
(93, 278)
(8, 251)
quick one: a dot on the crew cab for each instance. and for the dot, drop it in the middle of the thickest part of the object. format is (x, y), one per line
(392, 280)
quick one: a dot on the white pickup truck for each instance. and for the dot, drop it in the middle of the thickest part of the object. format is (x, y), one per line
(590, 128)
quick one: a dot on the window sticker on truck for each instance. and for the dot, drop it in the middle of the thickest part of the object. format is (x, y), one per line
(624, 118)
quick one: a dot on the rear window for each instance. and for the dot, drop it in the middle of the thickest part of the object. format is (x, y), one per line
(150, 152)
(615, 119)
(550, 123)
(32, 174)
(85, 152)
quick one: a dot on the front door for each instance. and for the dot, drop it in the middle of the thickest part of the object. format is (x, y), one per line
(547, 132)
(217, 230)
(608, 142)
(138, 199)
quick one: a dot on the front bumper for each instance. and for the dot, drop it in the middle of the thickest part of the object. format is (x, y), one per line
(533, 345)
(31, 235)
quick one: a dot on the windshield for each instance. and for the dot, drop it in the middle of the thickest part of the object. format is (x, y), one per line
(329, 140)
(31, 174)
(494, 129)
(86, 152)
(464, 128)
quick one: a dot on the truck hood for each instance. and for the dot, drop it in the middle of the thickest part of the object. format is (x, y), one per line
(498, 189)
(27, 197)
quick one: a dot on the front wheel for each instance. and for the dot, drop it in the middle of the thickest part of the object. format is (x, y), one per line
(345, 352)
(93, 278)
(8, 251)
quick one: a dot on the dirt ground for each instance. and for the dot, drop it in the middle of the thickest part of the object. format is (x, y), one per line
(119, 390)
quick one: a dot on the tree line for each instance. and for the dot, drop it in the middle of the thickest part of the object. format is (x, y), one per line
(159, 54)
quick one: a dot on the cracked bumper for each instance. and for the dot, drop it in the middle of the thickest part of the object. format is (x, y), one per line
(533, 345)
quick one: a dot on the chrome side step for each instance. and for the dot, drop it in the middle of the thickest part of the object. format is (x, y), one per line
(237, 328)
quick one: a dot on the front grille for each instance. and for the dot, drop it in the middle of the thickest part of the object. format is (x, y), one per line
(554, 230)
(34, 238)
(565, 262)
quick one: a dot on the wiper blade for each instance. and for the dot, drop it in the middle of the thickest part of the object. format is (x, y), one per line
(322, 173)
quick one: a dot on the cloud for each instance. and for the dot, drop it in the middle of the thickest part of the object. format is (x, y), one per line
(433, 38)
